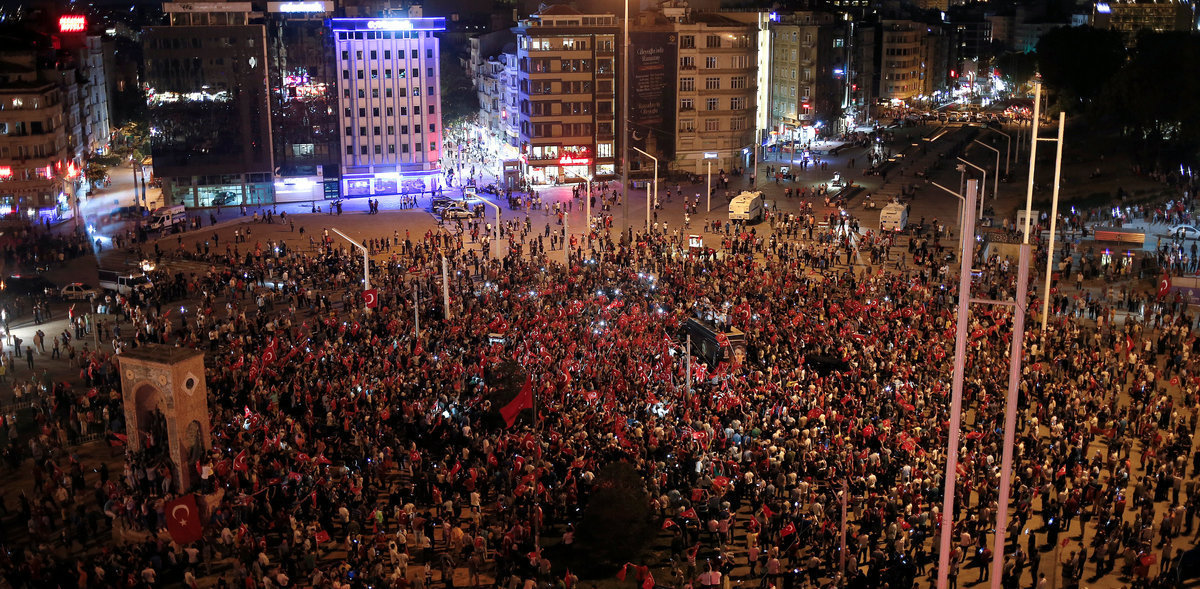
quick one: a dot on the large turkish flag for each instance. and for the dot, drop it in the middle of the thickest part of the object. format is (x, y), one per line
(183, 520)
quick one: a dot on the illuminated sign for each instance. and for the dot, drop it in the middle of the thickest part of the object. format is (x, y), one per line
(5, 171)
(711, 155)
(72, 23)
(390, 25)
(301, 7)
(567, 160)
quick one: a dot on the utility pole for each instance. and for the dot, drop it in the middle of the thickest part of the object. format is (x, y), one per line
(625, 114)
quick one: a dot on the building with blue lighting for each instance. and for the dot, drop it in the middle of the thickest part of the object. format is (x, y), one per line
(389, 104)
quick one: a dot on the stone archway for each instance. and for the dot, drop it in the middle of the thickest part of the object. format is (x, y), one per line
(148, 401)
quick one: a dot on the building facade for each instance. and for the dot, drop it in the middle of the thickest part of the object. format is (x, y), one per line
(389, 104)
(717, 85)
(567, 94)
(209, 105)
(303, 89)
(808, 74)
(1131, 17)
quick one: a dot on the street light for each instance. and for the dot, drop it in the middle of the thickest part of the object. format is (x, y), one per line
(996, 182)
(587, 199)
(1008, 149)
(981, 184)
(366, 259)
(709, 156)
(496, 231)
(648, 206)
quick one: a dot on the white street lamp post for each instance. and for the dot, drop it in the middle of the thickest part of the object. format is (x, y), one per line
(996, 180)
(496, 230)
(982, 185)
(366, 259)
(649, 205)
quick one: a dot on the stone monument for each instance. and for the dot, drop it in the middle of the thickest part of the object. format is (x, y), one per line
(165, 396)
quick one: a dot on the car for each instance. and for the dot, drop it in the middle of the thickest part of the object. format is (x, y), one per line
(456, 212)
(1185, 232)
(77, 291)
(224, 198)
(441, 202)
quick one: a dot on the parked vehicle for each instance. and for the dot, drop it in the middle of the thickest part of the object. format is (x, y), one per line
(1185, 232)
(123, 282)
(893, 217)
(165, 218)
(456, 211)
(747, 206)
(77, 291)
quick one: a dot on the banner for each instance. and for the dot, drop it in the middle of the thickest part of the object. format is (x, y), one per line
(654, 61)
(183, 520)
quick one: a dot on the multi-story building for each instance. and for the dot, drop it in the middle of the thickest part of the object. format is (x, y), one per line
(1131, 17)
(566, 62)
(901, 60)
(389, 104)
(717, 87)
(96, 103)
(303, 89)
(210, 114)
(808, 74)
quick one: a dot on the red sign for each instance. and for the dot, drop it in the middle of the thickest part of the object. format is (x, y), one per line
(567, 160)
(183, 520)
(72, 23)
(5, 171)
(371, 297)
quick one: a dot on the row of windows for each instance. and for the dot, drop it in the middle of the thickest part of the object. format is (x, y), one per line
(387, 54)
(388, 93)
(688, 62)
(391, 130)
(735, 103)
(391, 148)
(713, 41)
(563, 129)
(711, 125)
(390, 111)
(387, 74)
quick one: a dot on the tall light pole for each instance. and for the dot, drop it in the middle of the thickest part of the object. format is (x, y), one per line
(655, 187)
(967, 228)
(996, 181)
(709, 156)
(1062, 122)
(587, 200)
(625, 112)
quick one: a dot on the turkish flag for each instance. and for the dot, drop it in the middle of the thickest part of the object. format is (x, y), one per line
(1164, 285)
(523, 400)
(689, 513)
(239, 462)
(183, 520)
(767, 511)
(371, 298)
(668, 523)
(271, 353)
(321, 536)
(787, 530)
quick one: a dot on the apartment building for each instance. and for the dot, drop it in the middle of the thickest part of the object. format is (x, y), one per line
(567, 94)
(717, 90)
(808, 74)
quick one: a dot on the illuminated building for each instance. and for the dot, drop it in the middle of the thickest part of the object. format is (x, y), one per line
(303, 81)
(567, 94)
(389, 99)
(207, 96)
(1131, 17)
(48, 119)
(808, 74)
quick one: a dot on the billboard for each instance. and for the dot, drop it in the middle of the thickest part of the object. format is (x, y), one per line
(653, 64)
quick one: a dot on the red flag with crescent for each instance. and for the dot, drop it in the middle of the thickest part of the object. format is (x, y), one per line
(239, 462)
(1164, 285)
(183, 520)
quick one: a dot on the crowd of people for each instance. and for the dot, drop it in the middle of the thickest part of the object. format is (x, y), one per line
(349, 450)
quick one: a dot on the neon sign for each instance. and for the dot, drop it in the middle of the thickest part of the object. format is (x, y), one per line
(301, 7)
(390, 25)
(6, 172)
(567, 160)
(72, 23)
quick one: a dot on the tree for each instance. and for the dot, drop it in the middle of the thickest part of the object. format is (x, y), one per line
(1148, 95)
(1077, 63)
(460, 102)
(615, 521)
(1017, 68)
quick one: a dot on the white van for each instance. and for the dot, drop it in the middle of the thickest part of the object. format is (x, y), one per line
(893, 217)
(164, 218)
(747, 206)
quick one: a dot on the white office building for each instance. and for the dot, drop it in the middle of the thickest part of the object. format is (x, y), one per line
(389, 99)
